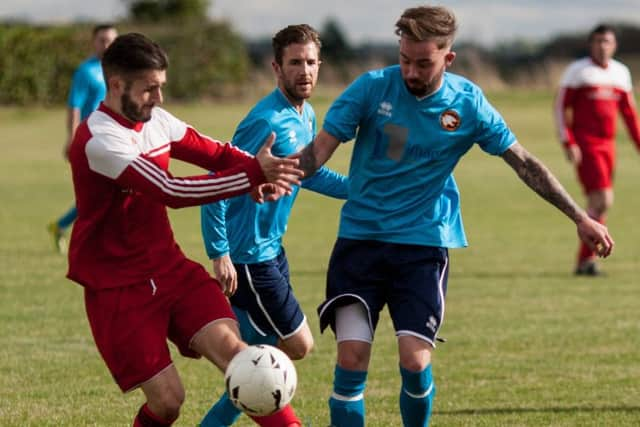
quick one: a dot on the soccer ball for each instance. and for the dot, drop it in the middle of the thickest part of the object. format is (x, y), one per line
(260, 380)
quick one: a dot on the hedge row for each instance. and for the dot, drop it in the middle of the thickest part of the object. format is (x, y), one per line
(36, 63)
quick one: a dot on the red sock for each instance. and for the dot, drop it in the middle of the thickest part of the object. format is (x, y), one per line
(585, 253)
(146, 418)
(286, 417)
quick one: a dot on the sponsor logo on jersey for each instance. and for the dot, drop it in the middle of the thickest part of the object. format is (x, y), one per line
(450, 120)
(385, 109)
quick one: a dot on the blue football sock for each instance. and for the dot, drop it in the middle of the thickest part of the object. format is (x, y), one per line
(346, 404)
(222, 414)
(416, 397)
(67, 219)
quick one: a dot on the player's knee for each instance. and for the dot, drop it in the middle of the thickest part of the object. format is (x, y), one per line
(299, 347)
(169, 403)
(353, 360)
(414, 364)
(414, 354)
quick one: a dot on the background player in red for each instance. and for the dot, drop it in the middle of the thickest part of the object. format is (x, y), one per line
(592, 91)
(140, 289)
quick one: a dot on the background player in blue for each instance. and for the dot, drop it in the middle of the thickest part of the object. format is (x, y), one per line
(87, 90)
(244, 238)
(412, 123)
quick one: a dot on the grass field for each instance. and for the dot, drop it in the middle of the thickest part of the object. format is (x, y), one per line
(528, 343)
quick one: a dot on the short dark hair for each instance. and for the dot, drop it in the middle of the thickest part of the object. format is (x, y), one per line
(601, 29)
(133, 53)
(293, 34)
(422, 23)
(102, 27)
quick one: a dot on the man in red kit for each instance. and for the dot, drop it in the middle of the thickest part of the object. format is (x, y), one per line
(140, 289)
(591, 93)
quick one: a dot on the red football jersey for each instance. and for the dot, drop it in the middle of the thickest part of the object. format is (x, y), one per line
(122, 187)
(594, 94)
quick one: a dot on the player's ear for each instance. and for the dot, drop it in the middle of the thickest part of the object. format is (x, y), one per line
(115, 84)
(449, 57)
(276, 67)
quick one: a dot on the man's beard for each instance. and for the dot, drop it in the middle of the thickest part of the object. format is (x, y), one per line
(133, 111)
(293, 94)
(423, 89)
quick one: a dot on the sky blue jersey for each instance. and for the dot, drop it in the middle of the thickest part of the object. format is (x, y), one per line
(252, 232)
(88, 87)
(401, 186)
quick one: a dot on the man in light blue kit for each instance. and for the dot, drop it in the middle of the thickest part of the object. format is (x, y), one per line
(244, 238)
(88, 88)
(412, 123)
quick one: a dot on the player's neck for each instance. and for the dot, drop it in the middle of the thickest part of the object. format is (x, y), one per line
(114, 104)
(601, 63)
(296, 103)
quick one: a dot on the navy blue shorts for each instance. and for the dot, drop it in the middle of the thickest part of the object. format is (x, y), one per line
(265, 293)
(410, 279)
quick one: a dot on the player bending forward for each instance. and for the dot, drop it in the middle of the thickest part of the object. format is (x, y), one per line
(140, 289)
(412, 123)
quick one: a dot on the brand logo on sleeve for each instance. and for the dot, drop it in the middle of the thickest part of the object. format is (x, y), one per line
(450, 120)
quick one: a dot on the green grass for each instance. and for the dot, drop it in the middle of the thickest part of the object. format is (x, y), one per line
(528, 343)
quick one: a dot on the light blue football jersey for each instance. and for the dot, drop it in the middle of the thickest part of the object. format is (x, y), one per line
(88, 87)
(252, 232)
(401, 184)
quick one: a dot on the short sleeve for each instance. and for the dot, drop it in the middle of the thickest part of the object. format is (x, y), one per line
(251, 134)
(344, 115)
(492, 133)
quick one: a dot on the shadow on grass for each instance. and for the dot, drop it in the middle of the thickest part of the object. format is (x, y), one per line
(565, 409)
(511, 274)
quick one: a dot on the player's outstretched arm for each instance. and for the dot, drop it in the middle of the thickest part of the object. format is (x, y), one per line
(282, 172)
(316, 153)
(538, 177)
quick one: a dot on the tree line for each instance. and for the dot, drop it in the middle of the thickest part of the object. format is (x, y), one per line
(208, 59)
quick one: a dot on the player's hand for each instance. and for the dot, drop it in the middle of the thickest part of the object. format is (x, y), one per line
(267, 193)
(596, 236)
(573, 153)
(282, 172)
(226, 274)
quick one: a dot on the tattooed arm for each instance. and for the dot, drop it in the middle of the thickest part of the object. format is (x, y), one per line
(541, 180)
(317, 152)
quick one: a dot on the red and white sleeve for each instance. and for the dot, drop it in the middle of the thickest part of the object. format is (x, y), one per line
(140, 173)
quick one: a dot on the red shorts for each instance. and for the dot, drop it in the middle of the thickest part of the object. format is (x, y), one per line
(596, 169)
(131, 324)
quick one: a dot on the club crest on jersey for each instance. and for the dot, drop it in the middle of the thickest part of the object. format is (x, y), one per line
(450, 120)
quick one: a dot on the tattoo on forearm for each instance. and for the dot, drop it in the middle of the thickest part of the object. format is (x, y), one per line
(541, 180)
(308, 161)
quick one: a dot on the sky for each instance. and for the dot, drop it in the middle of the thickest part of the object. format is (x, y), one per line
(484, 22)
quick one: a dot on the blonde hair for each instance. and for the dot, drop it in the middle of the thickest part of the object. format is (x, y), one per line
(422, 23)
